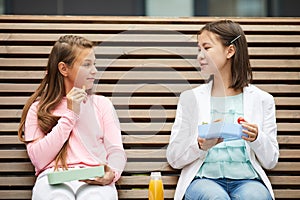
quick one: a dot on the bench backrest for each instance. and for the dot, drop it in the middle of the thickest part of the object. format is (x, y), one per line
(144, 64)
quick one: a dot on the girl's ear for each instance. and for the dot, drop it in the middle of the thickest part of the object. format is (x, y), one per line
(230, 51)
(63, 69)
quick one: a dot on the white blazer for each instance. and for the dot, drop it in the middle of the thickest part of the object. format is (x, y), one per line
(194, 108)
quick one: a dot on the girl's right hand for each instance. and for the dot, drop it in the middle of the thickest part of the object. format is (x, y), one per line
(206, 144)
(75, 97)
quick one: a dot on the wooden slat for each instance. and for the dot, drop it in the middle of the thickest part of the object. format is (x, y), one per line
(287, 166)
(13, 154)
(287, 193)
(15, 194)
(127, 139)
(151, 75)
(288, 127)
(279, 193)
(10, 113)
(16, 167)
(149, 88)
(276, 76)
(110, 27)
(152, 139)
(159, 88)
(288, 180)
(153, 63)
(288, 114)
(152, 127)
(23, 62)
(160, 50)
(9, 139)
(130, 27)
(37, 37)
(164, 139)
(279, 88)
(172, 180)
(17, 180)
(137, 153)
(145, 19)
(274, 63)
(138, 194)
(20, 100)
(140, 167)
(140, 180)
(124, 88)
(287, 101)
(290, 153)
(161, 153)
(150, 113)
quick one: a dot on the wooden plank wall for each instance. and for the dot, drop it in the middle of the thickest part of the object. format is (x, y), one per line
(144, 63)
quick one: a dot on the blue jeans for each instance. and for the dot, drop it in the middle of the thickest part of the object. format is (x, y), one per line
(208, 189)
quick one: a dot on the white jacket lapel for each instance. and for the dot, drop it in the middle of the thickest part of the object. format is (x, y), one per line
(248, 101)
(203, 99)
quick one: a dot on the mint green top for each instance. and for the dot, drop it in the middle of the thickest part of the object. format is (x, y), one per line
(227, 159)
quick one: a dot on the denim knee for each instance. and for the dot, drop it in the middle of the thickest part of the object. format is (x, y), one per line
(251, 189)
(205, 189)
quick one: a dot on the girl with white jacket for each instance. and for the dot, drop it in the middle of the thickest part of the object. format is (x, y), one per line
(218, 168)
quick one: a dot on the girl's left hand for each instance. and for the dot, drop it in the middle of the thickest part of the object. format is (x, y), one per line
(105, 180)
(251, 130)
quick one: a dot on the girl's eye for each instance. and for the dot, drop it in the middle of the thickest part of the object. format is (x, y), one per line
(205, 48)
(87, 65)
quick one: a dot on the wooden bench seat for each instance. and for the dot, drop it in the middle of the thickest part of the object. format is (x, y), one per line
(144, 64)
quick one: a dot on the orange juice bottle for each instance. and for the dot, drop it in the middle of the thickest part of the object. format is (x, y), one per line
(156, 188)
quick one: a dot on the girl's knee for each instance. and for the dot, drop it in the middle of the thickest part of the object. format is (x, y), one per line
(43, 191)
(54, 194)
(252, 190)
(205, 189)
(252, 195)
(94, 192)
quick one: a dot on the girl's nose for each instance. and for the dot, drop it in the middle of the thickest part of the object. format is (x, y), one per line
(94, 69)
(201, 54)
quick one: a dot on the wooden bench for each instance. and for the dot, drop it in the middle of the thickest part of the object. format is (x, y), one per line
(144, 63)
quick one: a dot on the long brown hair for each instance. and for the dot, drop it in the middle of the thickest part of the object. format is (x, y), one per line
(230, 32)
(52, 89)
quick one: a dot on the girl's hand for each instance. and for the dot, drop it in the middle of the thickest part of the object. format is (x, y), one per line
(75, 97)
(250, 129)
(105, 180)
(206, 144)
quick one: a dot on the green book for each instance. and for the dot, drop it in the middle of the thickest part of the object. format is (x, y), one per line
(72, 174)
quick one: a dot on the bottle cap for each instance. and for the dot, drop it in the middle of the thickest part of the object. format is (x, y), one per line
(155, 175)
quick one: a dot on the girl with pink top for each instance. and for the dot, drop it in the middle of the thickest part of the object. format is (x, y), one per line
(65, 126)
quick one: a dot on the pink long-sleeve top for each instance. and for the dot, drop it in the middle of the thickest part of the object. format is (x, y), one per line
(94, 136)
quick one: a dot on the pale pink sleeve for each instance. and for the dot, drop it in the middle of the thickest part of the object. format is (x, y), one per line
(116, 157)
(43, 150)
